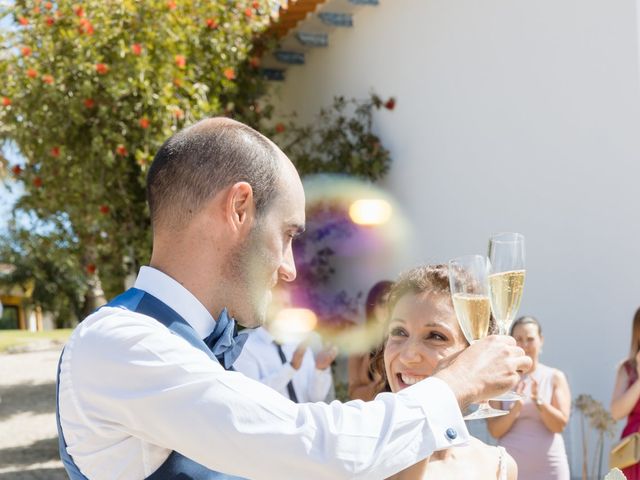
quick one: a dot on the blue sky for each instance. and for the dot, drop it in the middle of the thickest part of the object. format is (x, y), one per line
(8, 198)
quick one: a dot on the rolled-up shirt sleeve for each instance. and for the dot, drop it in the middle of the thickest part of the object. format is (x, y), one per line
(135, 380)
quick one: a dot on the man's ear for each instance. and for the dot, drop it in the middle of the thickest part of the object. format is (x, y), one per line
(239, 207)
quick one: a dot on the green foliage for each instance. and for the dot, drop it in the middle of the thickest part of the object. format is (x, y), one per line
(16, 340)
(46, 264)
(339, 140)
(91, 90)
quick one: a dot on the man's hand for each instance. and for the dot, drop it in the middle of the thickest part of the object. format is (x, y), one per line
(298, 355)
(325, 357)
(486, 369)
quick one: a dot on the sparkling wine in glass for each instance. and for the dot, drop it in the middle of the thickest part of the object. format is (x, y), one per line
(506, 282)
(470, 295)
(506, 277)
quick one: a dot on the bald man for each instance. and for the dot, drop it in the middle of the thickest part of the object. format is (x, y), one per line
(146, 387)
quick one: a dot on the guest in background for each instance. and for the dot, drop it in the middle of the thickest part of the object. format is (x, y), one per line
(363, 382)
(531, 432)
(289, 367)
(625, 401)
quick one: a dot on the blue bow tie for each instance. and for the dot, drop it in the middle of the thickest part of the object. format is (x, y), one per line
(225, 342)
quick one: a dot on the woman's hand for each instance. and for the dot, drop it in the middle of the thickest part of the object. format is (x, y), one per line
(534, 391)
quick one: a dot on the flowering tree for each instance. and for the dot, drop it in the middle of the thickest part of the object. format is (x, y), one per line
(91, 90)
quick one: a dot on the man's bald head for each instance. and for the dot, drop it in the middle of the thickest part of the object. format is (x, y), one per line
(200, 161)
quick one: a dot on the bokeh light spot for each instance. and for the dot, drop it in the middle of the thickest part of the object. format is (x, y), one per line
(293, 324)
(370, 212)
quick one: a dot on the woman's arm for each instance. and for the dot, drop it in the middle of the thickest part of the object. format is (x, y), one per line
(499, 426)
(624, 399)
(555, 415)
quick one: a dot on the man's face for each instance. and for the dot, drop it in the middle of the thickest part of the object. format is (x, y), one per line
(266, 256)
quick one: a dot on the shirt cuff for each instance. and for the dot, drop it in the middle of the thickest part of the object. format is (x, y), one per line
(442, 412)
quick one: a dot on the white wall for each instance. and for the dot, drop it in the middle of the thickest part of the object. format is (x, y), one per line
(511, 115)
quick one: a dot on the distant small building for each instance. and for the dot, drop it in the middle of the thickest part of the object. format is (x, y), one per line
(16, 312)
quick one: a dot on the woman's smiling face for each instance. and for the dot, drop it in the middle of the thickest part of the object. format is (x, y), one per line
(423, 329)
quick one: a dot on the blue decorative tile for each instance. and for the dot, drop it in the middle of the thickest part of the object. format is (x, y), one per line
(313, 39)
(274, 74)
(336, 19)
(292, 58)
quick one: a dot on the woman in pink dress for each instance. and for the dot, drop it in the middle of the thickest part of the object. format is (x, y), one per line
(531, 431)
(626, 393)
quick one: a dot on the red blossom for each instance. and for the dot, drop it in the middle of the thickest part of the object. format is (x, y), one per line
(256, 5)
(26, 51)
(177, 82)
(37, 182)
(280, 127)
(102, 68)
(32, 73)
(104, 209)
(89, 102)
(17, 170)
(181, 61)
(91, 268)
(122, 150)
(55, 152)
(78, 10)
(171, 5)
(36, 10)
(136, 49)
(48, 79)
(390, 104)
(178, 113)
(6, 101)
(229, 73)
(212, 23)
(48, 5)
(50, 21)
(23, 21)
(144, 122)
(248, 12)
(85, 27)
(254, 62)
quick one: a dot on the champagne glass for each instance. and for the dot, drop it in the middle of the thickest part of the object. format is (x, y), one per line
(470, 295)
(506, 281)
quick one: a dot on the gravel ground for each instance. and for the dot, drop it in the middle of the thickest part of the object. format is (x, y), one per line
(28, 434)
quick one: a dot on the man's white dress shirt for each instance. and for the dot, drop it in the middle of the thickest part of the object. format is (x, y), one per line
(261, 361)
(131, 392)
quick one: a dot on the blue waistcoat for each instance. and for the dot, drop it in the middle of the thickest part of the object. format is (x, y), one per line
(176, 466)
